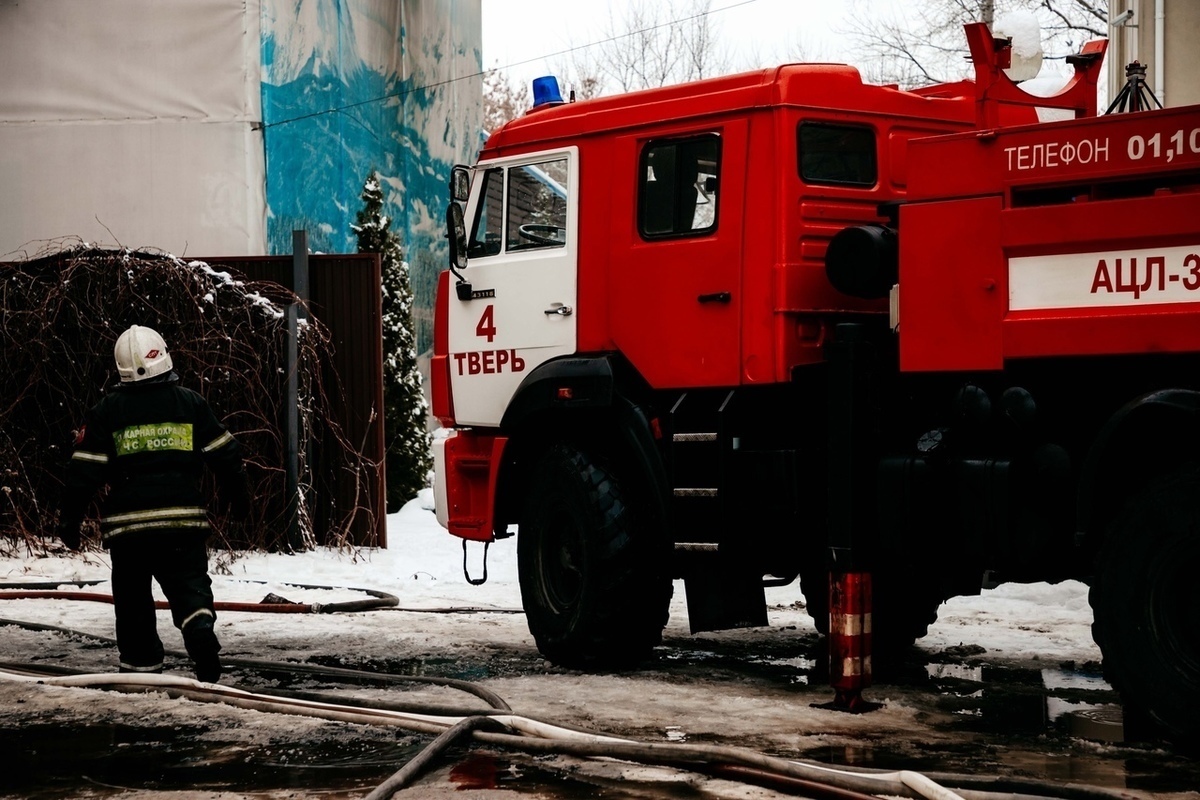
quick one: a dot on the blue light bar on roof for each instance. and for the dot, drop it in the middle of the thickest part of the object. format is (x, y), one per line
(545, 91)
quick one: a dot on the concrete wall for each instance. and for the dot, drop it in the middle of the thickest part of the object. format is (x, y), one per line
(1170, 28)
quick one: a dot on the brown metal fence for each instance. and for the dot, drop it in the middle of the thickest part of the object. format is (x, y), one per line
(345, 294)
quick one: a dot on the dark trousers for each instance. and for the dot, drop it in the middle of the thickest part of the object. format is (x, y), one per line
(180, 565)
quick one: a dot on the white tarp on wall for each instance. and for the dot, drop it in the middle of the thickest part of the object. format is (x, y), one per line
(133, 122)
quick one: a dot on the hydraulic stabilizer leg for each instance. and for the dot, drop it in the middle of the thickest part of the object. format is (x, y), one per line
(852, 514)
(850, 640)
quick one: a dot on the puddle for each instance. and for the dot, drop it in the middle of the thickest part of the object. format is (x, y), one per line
(870, 756)
(1021, 700)
(977, 696)
(958, 672)
(484, 771)
(1146, 771)
(787, 661)
(52, 761)
(1065, 679)
(675, 733)
(1057, 754)
(457, 669)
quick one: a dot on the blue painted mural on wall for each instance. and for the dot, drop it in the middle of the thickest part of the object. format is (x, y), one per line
(355, 86)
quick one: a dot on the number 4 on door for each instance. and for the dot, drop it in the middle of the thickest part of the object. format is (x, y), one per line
(487, 325)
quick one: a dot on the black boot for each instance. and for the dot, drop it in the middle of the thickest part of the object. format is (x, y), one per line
(203, 647)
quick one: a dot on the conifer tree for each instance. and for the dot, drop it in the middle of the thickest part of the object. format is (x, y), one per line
(405, 433)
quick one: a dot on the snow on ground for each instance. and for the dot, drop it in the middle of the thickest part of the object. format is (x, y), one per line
(423, 567)
(1034, 624)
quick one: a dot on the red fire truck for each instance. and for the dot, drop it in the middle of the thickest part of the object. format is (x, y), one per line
(900, 345)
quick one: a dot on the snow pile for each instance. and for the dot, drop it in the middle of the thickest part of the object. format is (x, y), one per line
(1026, 34)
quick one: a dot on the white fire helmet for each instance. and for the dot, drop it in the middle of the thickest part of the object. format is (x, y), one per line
(141, 353)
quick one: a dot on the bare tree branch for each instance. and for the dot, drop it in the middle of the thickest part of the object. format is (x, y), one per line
(925, 44)
(503, 99)
(1083, 16)
(653, 44)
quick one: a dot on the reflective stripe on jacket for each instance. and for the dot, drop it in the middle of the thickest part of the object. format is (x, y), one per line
(149, 443)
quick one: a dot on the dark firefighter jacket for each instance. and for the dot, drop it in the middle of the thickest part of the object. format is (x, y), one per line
(149, 442)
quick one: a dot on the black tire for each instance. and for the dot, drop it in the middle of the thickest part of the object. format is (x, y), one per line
(905, 603)
(1146, 604)
(594, 582)
(815, 586)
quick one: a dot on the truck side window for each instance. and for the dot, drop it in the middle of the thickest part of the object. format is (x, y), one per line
(677, 187)
(485, 232)
(836, 154)
(537, 205)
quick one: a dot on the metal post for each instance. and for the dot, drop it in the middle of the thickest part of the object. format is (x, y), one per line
(295, 313)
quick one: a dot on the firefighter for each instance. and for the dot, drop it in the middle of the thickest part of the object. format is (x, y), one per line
(148, 440)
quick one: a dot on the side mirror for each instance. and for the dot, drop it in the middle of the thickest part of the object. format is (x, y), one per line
(460, 184)
(456, 234)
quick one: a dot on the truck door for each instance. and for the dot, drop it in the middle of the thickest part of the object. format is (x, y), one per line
(521, 264)
(678, 319)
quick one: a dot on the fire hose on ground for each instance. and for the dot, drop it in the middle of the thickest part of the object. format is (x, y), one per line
(488, 696)
(498, 727)
(48, 590)
(382, 600)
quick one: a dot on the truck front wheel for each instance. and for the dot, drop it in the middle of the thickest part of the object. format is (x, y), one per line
(1146, 604)
(593, 582)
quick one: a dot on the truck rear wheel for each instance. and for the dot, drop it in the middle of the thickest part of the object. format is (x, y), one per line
(1145, 604)
(904, 605)
(594, 586)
